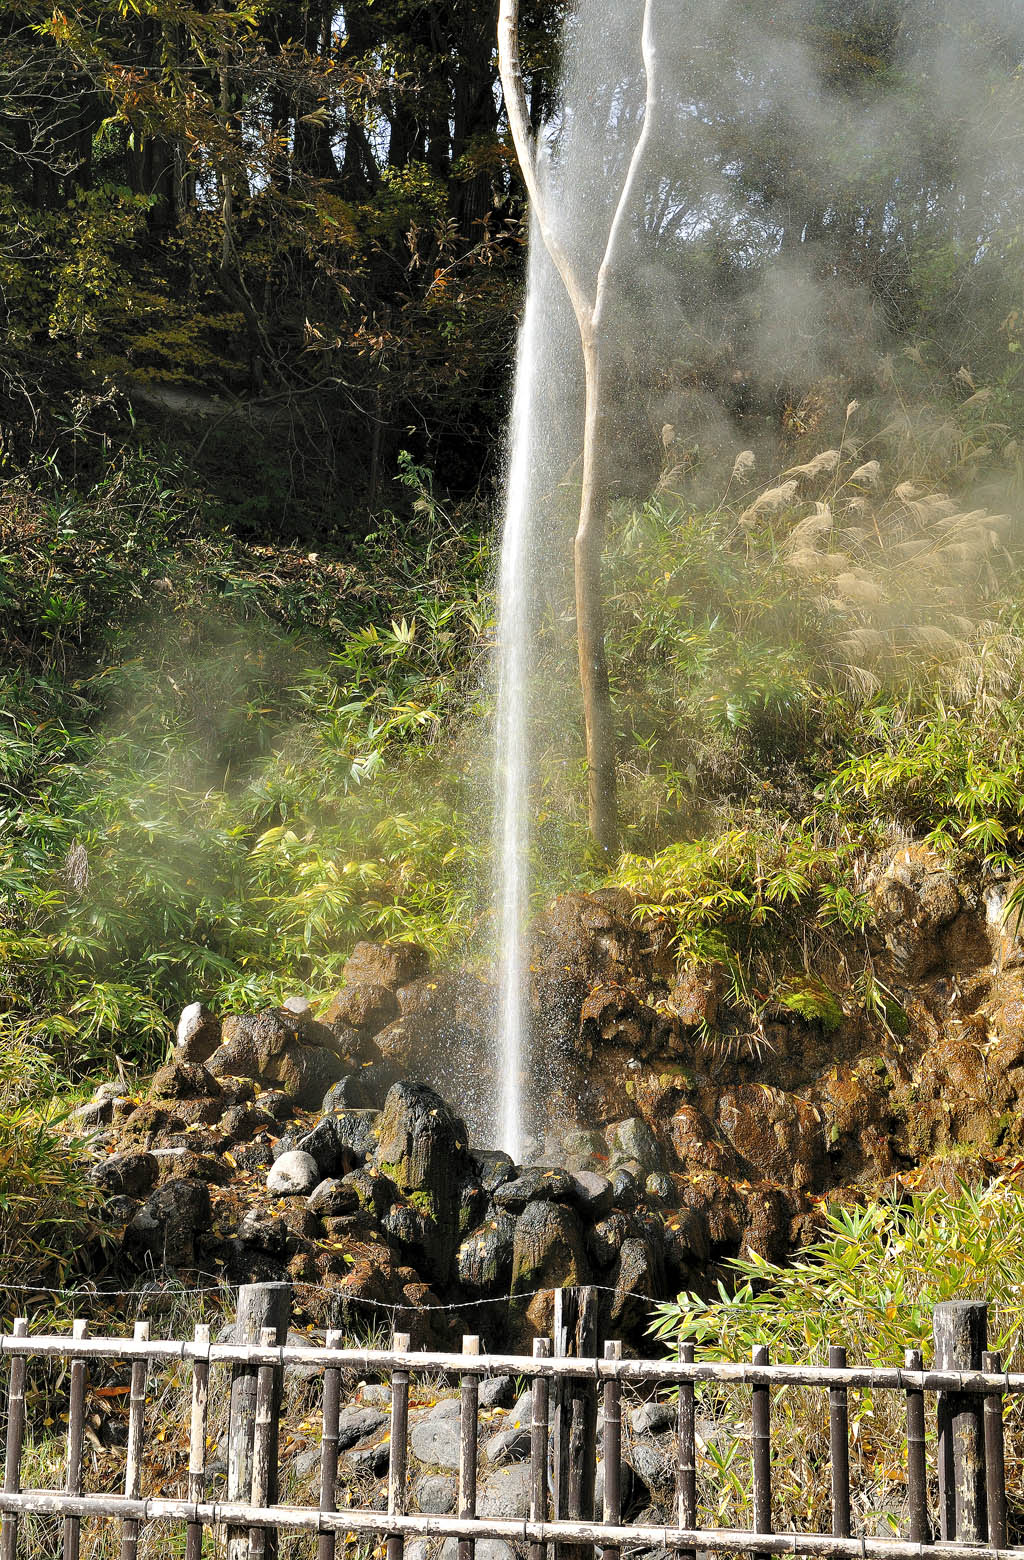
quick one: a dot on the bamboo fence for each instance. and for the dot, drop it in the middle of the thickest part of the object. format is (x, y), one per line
(968, 1382)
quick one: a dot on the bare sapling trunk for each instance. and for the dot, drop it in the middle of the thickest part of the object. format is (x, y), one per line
(590, 314)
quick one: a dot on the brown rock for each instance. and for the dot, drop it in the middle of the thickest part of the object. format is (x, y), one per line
(777, 1133)
(697, 995)
(613, 1014)
(698, 1146)
(180, 1080)
(362, 1006)
(389, 964)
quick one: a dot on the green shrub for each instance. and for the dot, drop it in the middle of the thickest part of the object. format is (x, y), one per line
(870, 1282)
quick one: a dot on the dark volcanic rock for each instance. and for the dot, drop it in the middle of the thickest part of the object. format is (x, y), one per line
(493, 1168)
(179, 1080)
(282, 1048)
(483, 1262)
(538, 1182)
(421, 1149)
(127, 1175)
(548, 1249)
(362, 1006)
(333, 1198)
(166, 1226)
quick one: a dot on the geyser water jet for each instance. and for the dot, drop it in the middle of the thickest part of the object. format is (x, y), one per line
(512, 745)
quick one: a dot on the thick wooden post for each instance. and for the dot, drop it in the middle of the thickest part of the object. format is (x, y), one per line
(136, 1432)
(260, 1306)
(961, 1336)
(917, 1475)
(686, 1472)
(467, 1446)
(575, 1414)
(197, 1440)
(539, 1447)
(76, 1440)
(399, 1462)
(15, 1440)
(327, 1545)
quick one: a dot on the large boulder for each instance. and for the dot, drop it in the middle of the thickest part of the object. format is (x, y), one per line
(289, 1051)
(928, 918)
(197, 1034)
(422, 1150)
(777, 1133)
(389, 964)
(362, 1007)
(631, 1142)
(483, 1263)
(548, 1250)
(166, 1228)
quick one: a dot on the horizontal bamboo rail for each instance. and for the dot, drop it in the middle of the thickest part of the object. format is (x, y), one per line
(383, 1361)
(305, 1519)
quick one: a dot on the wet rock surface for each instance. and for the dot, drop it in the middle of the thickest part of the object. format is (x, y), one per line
(304, 1145)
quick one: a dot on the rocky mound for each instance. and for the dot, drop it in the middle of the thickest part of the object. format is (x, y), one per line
(320, 1148)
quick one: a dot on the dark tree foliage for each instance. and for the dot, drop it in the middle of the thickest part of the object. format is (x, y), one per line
(281, 202)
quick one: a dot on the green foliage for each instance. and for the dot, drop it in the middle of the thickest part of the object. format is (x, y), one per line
(44, 1193)
(870, 1281)
(211, 780)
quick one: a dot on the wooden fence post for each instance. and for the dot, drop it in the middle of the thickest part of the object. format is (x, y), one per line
(398, 1466)
(469, 1407)
(76, 1444)
(995, 1459)
(961, 1337)
(575, 1415)
(839, 1446)
(327, 1545)
(539, 1447)
(136, 1436)
(260, 1306)
(197, 1439)
(611, 1449)
(686, 1440)
(917, 1475)
(15, 1439)
(762, 1448)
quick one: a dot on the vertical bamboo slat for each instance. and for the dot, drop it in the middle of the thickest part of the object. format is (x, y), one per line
(76, 1438)
(917, 1484)
(539, 1447)
(470, 1394)
(262, 1541)
(327, 1546)
(15, 1438)
(995, 1456)
(839, 1446)
(399, 1445)
(686, 1473)
(762, 1448)
(197, 1440)
(136, 1430)
(611, 1449)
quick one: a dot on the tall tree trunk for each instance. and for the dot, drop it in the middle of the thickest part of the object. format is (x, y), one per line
(590, 315)
(587, 550)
